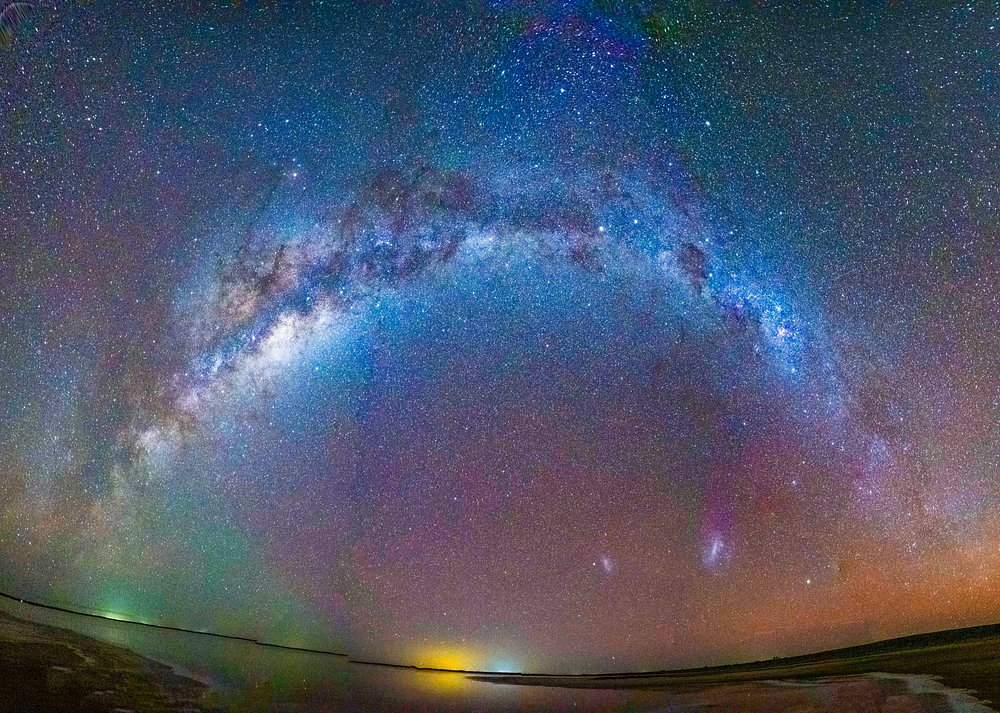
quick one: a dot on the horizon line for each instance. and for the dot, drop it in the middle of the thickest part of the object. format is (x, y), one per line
(475, 672)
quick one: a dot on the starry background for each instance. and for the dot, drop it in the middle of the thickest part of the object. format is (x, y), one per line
(518, 336)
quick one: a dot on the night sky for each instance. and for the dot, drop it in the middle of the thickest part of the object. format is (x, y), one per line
(507, 335)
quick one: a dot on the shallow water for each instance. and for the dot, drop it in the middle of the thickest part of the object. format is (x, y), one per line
(248, 677)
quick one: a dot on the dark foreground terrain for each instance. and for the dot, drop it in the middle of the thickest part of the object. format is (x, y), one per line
(966, 659)
(48, 670)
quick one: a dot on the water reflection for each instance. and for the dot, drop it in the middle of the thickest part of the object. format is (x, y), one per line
(249, 677)
(246, 677)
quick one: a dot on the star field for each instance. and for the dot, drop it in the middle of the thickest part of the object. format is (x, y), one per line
(547, 336)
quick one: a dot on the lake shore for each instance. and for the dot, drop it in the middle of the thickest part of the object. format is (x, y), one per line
(51, 670)
(960, 659)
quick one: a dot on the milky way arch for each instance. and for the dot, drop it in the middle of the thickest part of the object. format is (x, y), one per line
(528, 334)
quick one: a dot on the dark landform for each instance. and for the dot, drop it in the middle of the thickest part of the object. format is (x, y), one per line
(967, 659)
(167, 627)
(45, 669)
(48, 669)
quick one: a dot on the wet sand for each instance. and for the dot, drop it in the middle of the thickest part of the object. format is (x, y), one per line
(960, 659)
(44, 669)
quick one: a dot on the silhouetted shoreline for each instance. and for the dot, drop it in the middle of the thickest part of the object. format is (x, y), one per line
(963, 659)
(167, 627)
(949, 670)
(968, 658)
(56, 670)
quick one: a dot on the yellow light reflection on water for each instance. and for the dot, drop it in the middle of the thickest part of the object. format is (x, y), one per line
(442, 682)
(449, 658)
